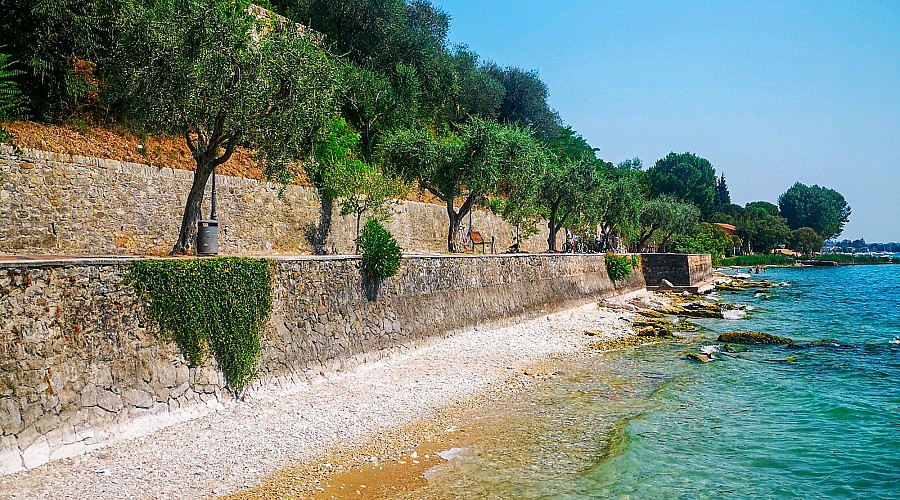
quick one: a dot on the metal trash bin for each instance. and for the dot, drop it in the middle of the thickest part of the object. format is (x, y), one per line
(208, 237)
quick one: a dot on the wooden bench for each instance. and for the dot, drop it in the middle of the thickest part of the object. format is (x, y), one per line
(477, 239)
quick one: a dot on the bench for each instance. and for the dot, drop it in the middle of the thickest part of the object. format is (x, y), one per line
(477, 239)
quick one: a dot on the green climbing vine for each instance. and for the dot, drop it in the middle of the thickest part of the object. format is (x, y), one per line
(217, 305)
(618, 266)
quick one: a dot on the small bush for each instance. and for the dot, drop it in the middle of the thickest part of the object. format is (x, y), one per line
(618, 267)
(380, 252)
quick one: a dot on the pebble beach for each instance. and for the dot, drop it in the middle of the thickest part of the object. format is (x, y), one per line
(282, 442)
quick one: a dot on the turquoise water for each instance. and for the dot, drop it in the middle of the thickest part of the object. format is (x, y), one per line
(822, 421)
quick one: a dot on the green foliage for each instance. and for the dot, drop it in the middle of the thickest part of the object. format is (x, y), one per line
(209, 72)
(706, 238)
(823, 210)
(686, 177)
(59, 42)
(759, 259)
(381, 255)
(11, 98)
(525, 102)
(333, 147)
(476, 162)
(622, 202)
(363, 188)
(758, 208)
(570, 192)
(763, 231)
(722, 197)
(805, 241)
(858, 259)
(373, 103)
(218, 305)
(618, 267)
(662, 219)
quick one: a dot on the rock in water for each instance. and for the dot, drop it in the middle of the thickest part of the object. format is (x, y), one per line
(703, 358)
(753, 338)
(666, 285)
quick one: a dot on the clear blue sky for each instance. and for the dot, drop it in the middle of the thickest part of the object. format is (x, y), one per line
(770, 92)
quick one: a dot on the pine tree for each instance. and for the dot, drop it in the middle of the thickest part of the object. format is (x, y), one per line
(722, 196)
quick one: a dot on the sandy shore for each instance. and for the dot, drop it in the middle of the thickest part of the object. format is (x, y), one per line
(274, 443)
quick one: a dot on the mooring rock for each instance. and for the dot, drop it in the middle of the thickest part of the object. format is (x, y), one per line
(752, 338)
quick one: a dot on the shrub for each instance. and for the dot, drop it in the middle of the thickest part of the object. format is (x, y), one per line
(618, 267)
(218, 305)
(380, 252)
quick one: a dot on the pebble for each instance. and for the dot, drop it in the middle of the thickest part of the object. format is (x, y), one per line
(275, 428)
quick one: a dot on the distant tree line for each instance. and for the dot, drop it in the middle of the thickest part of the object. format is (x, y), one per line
(379, 104)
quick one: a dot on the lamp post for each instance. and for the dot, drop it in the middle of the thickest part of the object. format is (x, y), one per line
(208, 232)
(212, 203)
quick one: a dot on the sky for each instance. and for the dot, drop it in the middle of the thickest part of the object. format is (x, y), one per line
(770, 92)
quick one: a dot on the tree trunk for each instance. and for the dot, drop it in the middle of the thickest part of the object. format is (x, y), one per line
(187, 236)
(552, 229)
(455, 220)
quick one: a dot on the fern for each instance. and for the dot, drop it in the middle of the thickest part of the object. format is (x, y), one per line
(11, 98)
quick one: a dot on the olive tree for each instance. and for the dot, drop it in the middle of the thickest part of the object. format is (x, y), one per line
(665, 217)
(362, 188)
(569, 187)
(464, 167)
(210, 72)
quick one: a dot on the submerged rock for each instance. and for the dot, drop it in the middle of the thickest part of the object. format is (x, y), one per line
(654, 328)
(738, 337)
(703, 358)
(701, 309)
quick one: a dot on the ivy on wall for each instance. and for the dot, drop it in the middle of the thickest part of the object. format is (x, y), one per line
(209, 305)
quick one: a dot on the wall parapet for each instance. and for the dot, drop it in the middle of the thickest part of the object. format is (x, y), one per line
(80, 368)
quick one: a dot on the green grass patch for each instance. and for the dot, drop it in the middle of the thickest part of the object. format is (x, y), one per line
(759, 260)
(857, 260)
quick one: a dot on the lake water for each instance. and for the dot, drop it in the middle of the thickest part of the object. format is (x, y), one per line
(822, 421)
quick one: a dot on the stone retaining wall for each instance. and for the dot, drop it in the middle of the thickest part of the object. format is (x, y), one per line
(79, 367)
(60, 204)
(678, 268)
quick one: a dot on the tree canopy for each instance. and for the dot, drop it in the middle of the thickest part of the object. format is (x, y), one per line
(805, 240)
(823, 210)
(467, 165)
(685, 176)
(207, 71)
(663, 218)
